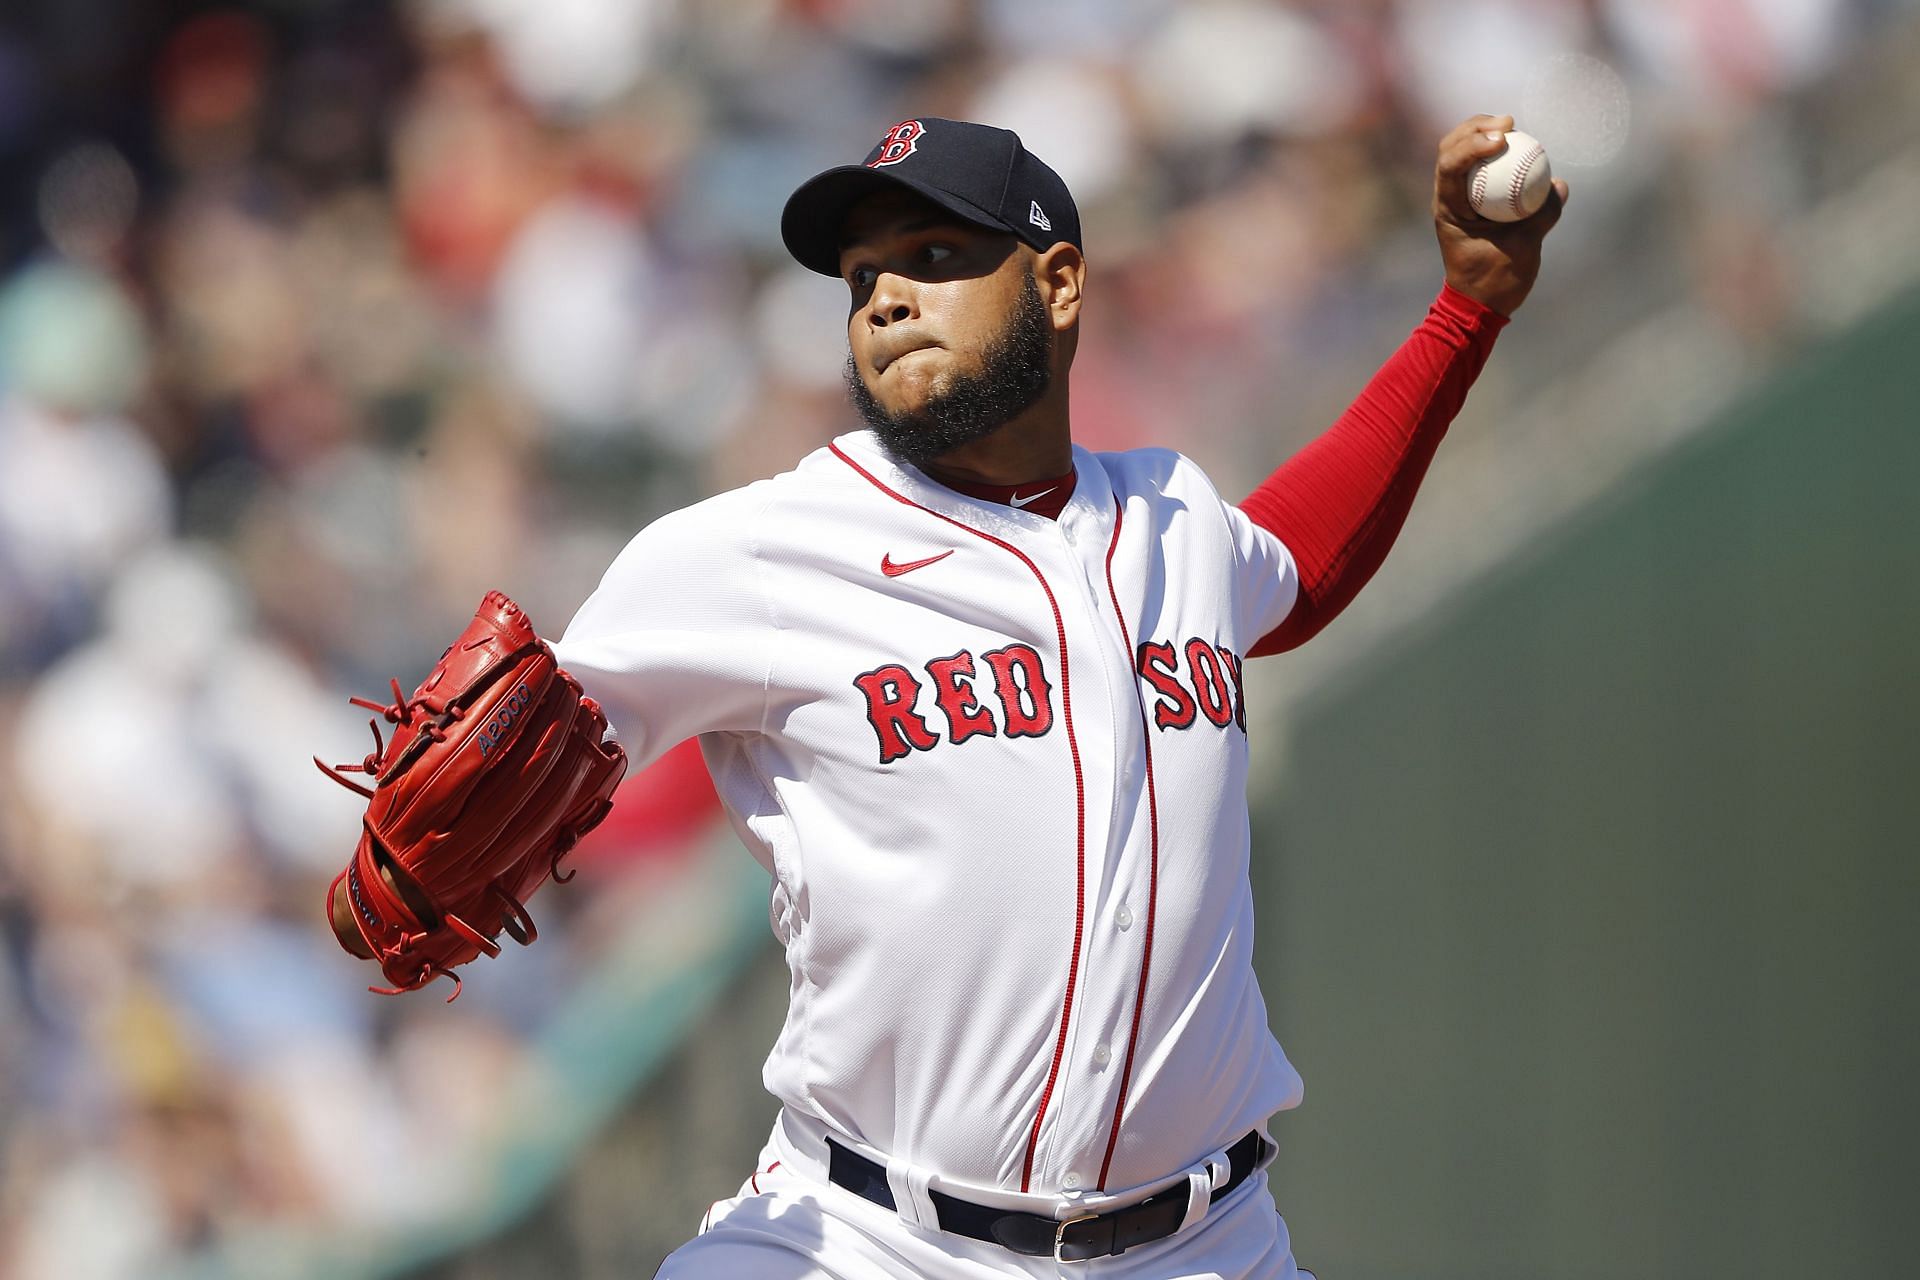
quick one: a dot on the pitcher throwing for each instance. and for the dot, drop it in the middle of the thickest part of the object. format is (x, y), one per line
(973, 695)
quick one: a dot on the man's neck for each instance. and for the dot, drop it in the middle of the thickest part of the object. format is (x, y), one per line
(1037, 445)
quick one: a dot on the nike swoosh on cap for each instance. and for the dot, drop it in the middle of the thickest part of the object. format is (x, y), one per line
(1031, 498)
(892, 570)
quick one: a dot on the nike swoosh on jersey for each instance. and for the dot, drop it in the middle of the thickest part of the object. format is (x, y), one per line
(892, 570)
(1031, 498)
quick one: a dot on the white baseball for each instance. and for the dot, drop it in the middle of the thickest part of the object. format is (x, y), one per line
(1514, 184)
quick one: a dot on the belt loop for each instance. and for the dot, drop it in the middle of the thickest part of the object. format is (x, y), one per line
(910, 1198)
(1202, 1180)
(1220, 1170)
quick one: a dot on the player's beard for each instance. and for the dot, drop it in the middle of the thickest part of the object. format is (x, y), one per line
(1015, 371)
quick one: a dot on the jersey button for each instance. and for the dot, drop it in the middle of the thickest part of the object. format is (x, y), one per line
(1124, 917)
(1102, 1055)
(1071, 1182)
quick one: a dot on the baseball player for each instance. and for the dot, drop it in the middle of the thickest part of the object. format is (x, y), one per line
(973, 695)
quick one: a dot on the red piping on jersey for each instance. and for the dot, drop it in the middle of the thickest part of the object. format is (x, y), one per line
(1079, 793)
(1153, 862)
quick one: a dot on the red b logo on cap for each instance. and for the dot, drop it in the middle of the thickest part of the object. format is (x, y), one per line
(898, 144)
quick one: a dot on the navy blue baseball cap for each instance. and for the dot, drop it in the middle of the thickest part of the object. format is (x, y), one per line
(975, 171)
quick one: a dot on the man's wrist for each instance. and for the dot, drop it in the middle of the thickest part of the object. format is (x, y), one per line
(1468, 305)
(1474, 321)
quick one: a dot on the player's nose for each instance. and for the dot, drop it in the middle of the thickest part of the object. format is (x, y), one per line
(892, 301)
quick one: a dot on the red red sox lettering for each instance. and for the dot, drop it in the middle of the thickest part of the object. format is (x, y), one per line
(1210, 671)
(1023, 695)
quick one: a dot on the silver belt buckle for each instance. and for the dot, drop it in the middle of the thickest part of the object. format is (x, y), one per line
(1060, 1238)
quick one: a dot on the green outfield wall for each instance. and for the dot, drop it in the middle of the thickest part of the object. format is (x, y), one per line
(1589, 912)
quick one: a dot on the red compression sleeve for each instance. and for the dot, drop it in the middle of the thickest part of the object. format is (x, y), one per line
(1339, 503)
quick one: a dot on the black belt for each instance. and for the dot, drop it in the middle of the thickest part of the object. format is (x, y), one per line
(1093, 1235)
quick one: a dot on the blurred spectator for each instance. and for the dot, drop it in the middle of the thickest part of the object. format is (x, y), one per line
(1727, 54)
(80, 487)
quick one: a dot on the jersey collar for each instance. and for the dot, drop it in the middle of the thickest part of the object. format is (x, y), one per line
(1089, 509)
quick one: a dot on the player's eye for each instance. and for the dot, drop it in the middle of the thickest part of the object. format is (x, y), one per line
(932, 254)
(862, 277)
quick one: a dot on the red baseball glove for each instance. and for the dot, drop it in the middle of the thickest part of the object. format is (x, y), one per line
(495, 769)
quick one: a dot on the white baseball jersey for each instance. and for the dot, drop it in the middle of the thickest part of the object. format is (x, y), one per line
(996, 765)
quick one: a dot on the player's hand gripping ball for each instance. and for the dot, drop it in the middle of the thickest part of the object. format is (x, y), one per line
(1514, 184)
(497, 766)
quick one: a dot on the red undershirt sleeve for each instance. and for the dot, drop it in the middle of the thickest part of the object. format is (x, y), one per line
(1339, 503)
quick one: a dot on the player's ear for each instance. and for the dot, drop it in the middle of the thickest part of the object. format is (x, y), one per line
(1061, 274)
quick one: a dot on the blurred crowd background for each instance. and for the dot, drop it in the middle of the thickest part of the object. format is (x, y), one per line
(318, 318)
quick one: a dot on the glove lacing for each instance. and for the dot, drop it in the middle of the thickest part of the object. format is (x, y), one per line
(435, 721)
(434, 724)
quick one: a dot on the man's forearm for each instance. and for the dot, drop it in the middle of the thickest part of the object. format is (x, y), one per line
(1340, 502)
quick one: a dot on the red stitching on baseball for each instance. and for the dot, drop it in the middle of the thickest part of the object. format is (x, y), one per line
(1520, 173)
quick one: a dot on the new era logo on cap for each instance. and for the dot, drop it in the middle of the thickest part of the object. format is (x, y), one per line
(981, 174)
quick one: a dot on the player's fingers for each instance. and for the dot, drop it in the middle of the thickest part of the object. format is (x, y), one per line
(1479, 138)
(1556, 205)
(1535, 228)
(1472, 125)
(1474, 146)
